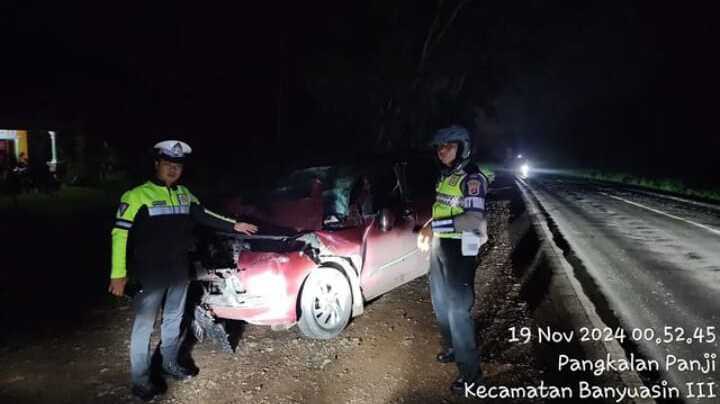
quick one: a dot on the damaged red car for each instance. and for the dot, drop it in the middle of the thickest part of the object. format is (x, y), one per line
(331, 239)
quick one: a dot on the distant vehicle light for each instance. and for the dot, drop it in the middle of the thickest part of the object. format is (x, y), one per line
(525, 170)
(519, 156)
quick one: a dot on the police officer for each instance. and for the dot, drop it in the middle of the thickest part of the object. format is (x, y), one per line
(159, 216)
(458, 229)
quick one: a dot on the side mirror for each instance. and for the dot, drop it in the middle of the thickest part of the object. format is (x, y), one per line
(386, 220)
(408, 212)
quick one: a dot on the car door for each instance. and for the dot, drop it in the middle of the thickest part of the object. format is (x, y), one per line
(391, 257)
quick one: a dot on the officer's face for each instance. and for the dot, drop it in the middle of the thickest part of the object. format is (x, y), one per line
(446, 153)
(168, 172)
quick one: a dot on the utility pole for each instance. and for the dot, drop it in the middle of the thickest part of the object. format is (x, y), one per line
(52, 164)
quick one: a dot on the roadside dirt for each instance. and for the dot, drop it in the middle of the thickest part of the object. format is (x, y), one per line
(384, 356)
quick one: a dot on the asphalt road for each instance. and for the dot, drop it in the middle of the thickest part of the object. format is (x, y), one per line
(655, 262)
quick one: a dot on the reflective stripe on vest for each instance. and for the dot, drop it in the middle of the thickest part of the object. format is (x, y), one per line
(448, 202)
(169, 210)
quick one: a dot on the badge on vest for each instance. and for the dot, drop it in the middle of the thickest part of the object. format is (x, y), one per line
(122, 209)
(183, 199)
(453, 181)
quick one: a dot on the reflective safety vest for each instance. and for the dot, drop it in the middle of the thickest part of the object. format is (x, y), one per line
(164, 228)
(158, 221)
(448, 203)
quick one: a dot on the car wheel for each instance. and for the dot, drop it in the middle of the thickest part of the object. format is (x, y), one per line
(325, 304)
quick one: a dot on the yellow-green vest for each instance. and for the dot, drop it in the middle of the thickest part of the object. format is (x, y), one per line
(449, 201)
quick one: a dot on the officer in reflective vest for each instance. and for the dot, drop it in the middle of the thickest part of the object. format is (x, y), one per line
(454, 235)
(156, 219)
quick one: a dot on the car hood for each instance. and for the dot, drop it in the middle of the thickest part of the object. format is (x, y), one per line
(261, 247)
(280, 216)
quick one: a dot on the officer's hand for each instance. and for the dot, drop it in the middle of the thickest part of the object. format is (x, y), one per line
(117, 286)
(423, 239)
(245, 228)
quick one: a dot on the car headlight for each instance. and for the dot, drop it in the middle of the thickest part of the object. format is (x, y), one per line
(267, 284)
(268, 289)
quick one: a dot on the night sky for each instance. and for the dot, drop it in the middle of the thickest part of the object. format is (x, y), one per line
(619, 85)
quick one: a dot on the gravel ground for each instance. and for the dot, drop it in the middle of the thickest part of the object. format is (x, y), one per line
(384, 356)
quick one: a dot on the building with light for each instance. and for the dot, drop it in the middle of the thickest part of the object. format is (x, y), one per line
(14, 143)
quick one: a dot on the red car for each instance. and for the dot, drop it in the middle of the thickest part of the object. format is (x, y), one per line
(332, 238)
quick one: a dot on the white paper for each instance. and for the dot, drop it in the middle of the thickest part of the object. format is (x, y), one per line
(471, 243)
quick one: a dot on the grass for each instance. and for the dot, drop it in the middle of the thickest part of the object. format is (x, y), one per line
(67, 201)
(672, 185)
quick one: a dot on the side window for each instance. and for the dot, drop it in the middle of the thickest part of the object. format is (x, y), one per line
(421, 177)
(386, 192)
(362, 195)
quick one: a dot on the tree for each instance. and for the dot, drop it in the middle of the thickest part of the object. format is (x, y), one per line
(392, 116)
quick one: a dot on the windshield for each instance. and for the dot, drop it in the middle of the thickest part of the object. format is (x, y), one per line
(327, 197)
(334, 184)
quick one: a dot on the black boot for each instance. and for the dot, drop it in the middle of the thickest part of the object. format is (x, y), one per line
(446, 356)
(458, 386)
(145, 392)
(178, 372)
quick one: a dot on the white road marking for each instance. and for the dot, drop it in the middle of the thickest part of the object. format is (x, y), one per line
(676, 198)
(702, 226)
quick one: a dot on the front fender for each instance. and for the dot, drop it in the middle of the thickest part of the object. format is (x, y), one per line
(347, 266)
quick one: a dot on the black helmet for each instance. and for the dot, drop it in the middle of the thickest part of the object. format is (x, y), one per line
(455, 134)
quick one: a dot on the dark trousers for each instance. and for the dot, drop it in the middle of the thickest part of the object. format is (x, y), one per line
(147, 305)
(452, 288)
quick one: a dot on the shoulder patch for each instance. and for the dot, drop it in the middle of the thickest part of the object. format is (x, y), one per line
(474, 186)
(122, 209)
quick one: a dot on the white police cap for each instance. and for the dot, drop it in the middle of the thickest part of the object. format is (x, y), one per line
(173, 150)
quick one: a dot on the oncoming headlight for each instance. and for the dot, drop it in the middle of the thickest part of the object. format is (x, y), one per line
(525, 170)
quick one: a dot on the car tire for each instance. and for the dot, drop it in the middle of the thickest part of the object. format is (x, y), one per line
(325, 304)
